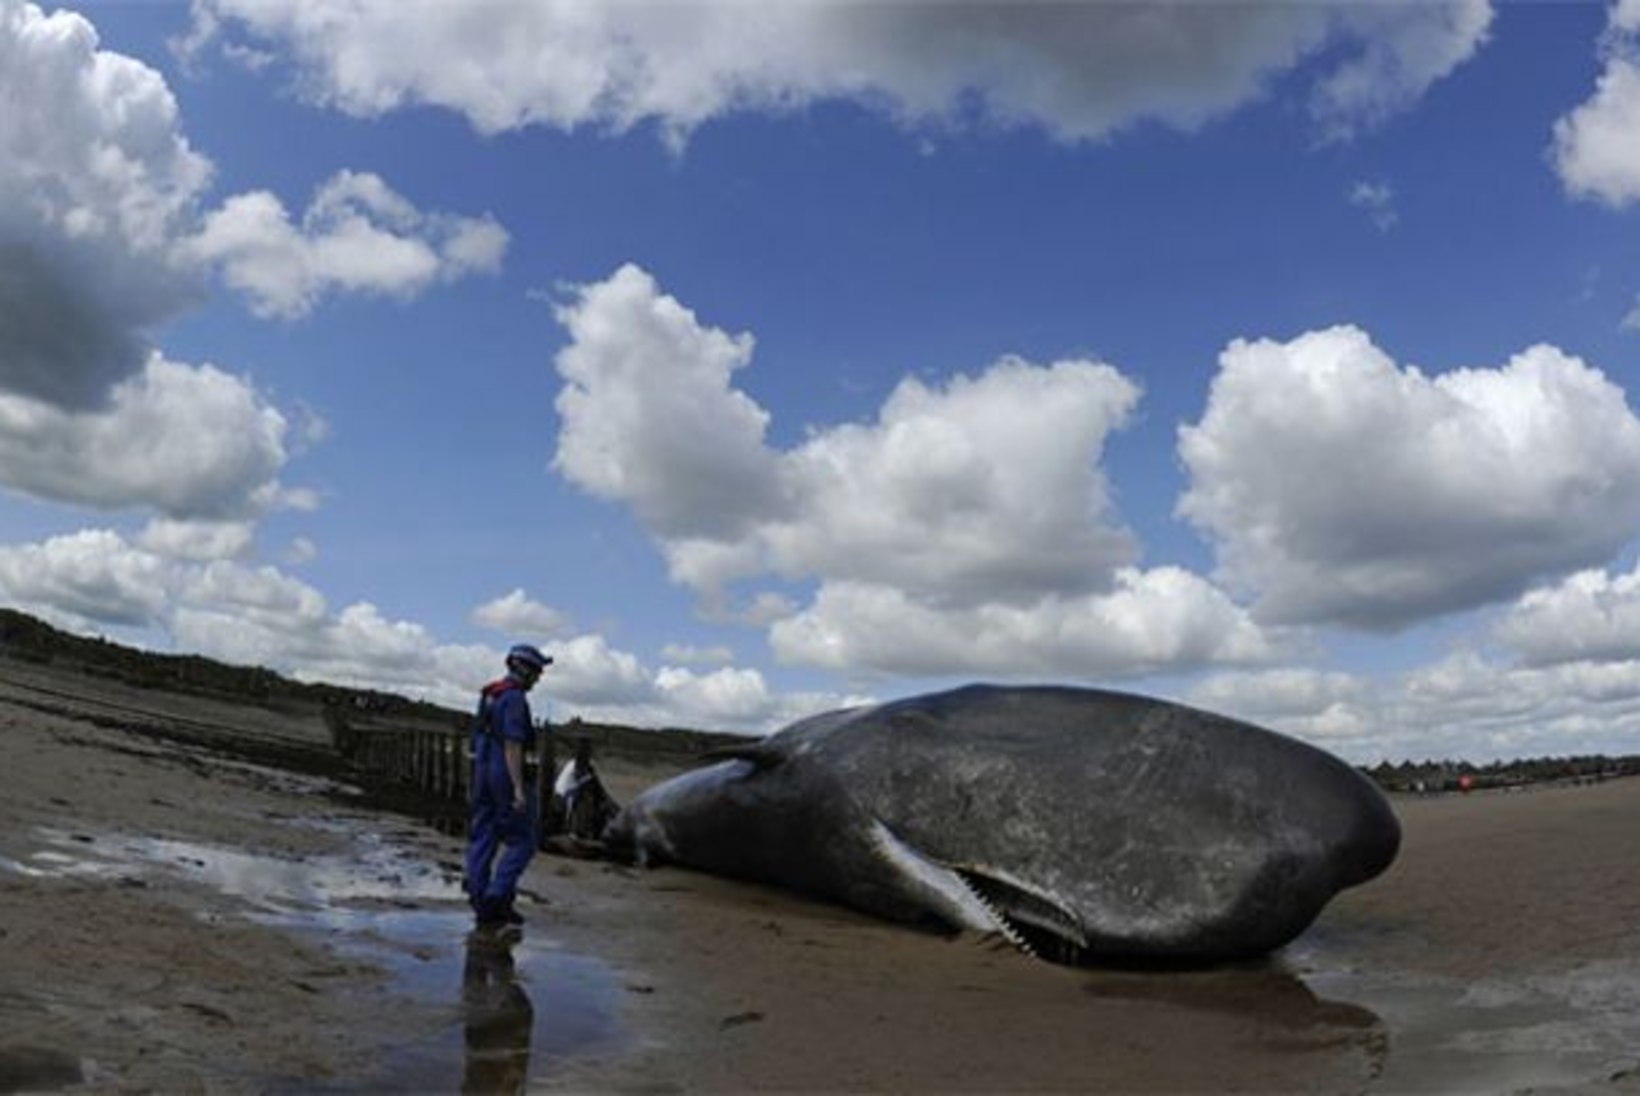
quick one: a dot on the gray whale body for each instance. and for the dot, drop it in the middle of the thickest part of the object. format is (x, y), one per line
(1084, 825)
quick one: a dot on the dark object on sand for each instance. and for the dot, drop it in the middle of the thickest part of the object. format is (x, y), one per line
(1084, 825)
(579, 807)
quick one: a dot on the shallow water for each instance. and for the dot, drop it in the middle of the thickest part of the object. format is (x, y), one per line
(1504, 1033)
(1404, 1032)
(517, 1004)
(37, 1069)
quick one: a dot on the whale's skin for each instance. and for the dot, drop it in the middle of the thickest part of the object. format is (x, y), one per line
(1084, 824)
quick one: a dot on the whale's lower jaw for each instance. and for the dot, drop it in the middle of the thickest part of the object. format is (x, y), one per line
(1036, 923)
(984, 901)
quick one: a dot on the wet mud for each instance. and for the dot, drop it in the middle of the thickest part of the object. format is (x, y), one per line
(1414, 1032)
(516, 1004)
(38, 1069)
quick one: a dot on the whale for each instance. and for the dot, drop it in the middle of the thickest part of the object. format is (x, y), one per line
(1086, 826)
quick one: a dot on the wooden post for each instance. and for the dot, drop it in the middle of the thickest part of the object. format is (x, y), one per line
(452, 755)
(458, 756)
(441, 768)
(464, 768)
(544, 773)
(452, 767)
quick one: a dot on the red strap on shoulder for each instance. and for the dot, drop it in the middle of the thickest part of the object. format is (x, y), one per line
(496, 688)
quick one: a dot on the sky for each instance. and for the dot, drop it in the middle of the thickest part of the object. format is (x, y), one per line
(756, 360)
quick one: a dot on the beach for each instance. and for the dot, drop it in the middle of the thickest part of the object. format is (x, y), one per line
(193, 899)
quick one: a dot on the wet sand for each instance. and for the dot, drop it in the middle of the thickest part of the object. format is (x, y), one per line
(175, 918)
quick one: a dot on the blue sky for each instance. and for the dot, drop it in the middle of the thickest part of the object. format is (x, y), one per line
(761, 359)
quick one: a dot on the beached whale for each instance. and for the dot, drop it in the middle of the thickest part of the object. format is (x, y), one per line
(1084, 825)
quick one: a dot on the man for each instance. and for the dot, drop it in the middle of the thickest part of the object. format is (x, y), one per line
(576, 774)
(503, 814)
(584, 807)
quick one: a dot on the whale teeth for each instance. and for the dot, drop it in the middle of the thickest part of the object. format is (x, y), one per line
(1004, 926)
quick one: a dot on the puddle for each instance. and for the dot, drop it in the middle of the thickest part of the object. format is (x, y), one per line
(518, 1002)
(1417, 1033)
(1496, 1034)
(37, 1069)
(1282, 1013)
(523, 1005)
(375, 870)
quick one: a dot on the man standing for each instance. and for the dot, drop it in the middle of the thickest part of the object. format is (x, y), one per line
(503, 814)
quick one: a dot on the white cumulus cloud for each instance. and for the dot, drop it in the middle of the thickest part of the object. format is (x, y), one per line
(102, 230)
(1465, 706)
(1596, 147)
(689, 654)
(357, 235)
(592, 680)
(968, 526)
(1591, 616)
(649, 415)
(985, 488)
(1471, 703)
(189, 442)
(738, 699)
(1079, 71)
(200, 541)
(988, 486)
(1154, 621)
(1278, 692)
(96, 181)
(1340, 487)
(516, 613)
(86, 579)
(1402, 50)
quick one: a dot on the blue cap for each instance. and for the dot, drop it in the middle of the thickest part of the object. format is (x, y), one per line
(525, 654)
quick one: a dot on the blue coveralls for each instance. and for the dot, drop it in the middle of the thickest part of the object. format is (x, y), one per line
(503, 716)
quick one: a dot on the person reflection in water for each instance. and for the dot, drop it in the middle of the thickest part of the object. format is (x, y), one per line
(498, 1016)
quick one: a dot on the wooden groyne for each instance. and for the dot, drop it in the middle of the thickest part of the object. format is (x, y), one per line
(438, 764)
